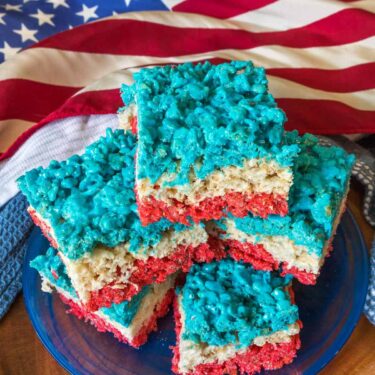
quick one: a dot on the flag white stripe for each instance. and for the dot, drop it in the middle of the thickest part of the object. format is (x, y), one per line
(9, 123)
(290, 14)
(9, 129)
(78, 69)
(283, 88)
(278, 16)
(181, 20)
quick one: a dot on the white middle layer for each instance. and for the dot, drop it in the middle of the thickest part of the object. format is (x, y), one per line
(255, 177)
(193, 354)
(146, 310)
(283, 249)
(95, 270)
(99, 268)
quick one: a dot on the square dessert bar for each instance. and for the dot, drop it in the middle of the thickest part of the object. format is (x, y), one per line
(210, 142)
(300, 241)
(130, 321)
(86, 206)
(233, 319)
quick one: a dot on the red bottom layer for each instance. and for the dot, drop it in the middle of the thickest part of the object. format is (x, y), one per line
(238, 204)
(154, 270)
(103, 326)
(262, 260)
(46, 230)
(256, 358)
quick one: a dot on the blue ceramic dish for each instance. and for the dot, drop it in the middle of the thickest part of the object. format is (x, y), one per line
(329, 312)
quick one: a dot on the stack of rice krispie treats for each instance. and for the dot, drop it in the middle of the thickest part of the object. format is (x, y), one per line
(200, 183)
(87, 209)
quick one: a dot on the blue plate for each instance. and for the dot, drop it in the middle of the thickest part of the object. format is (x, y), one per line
(329, 312)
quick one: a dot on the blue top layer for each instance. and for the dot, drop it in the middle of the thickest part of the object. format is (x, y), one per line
(230, 302)
(205, 117)
(123, 313)
(321, 177)
(90, 200)
(50, 262)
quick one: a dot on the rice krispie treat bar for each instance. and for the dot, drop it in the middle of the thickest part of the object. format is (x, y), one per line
(86, 206)
(300, 241)
(130, 321)
(233, 319)
(210, 142)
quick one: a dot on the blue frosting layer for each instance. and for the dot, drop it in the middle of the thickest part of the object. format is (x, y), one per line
(89, 199)
(230, 302)
(123, 313)
(321, 176)
(51, 262)
(205, 117)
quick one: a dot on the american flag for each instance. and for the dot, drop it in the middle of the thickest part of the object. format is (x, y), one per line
(59, 94)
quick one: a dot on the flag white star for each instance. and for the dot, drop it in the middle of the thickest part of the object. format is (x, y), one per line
(171, 3)
(87, 12)
(1, 18)
(8, 51)
(16, 8)
(26, 34)
(43, 18)
(114, 13)
(58, 3)
(127, 2)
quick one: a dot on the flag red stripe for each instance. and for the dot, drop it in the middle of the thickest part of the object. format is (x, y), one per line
(50, 97)
(31, 101)
(222, 8)
(134, 37)
(355, 78)
(326, 117)
(313, 116)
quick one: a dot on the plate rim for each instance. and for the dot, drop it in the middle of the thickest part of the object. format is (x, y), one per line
(45, 339)
(345, 334)
(323, 361)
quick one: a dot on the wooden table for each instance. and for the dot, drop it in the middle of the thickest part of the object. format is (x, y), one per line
(21, 352)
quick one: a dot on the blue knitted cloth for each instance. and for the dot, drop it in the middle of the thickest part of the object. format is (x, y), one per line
(370, 300)
(15, 227)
